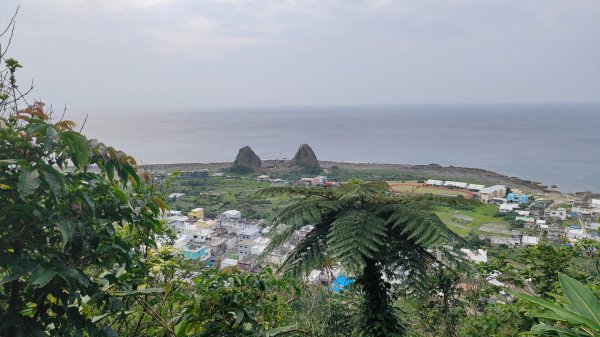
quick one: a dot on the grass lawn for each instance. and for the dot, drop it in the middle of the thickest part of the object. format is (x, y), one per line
(463, 221)
(571, 221)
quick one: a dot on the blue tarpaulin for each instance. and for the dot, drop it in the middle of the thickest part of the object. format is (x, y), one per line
(340, 283)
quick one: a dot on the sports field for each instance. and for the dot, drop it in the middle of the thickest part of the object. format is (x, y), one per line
(420, 188)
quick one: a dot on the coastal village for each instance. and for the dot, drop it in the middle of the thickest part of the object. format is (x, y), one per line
(231, 240)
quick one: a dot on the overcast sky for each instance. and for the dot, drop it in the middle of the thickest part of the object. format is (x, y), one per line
(133, 54)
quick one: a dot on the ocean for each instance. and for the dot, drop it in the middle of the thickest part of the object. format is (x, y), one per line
(550, 143)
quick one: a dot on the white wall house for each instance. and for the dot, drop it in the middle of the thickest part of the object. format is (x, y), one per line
(249, 233)
(560, 213)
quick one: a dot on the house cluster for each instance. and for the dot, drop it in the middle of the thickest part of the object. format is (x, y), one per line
(267, 179)
(541, 219)
(455, 184)
(203, 173)
(229, 240)
(320, 181)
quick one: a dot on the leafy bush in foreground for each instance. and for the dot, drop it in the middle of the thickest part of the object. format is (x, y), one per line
(75, 220)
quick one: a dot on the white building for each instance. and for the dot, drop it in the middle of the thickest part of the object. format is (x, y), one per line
(228, 263)
(541, 223)
(170, 213)
(260, 244)
(249, 233)
(594, 226)
(488, 193)
(475, 187)
(560, 213)
(244, 247)
(529, 240)
(456, 184)
(231, 214)
(576, 233)
(181, 241)
(204, 234)
(432, 182)
(507, 208)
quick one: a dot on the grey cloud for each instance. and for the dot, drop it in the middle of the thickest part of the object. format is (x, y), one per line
(182, 53)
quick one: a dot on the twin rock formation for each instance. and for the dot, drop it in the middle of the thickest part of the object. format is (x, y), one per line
(304, 158)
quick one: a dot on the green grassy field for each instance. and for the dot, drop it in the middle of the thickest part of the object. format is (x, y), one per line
(463, 221)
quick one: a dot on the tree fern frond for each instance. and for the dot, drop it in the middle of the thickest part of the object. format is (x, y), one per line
(408, 265)
(309, 254)
(279, 235)
(423, 226)
(305, 211)
(347, 228)
(301, 191)
(368, 191)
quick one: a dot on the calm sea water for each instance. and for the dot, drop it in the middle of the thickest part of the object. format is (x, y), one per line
(554, 144)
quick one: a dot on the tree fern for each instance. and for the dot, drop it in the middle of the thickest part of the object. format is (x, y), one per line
(387, 242)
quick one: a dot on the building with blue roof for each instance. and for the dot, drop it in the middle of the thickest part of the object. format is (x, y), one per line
(522, 199)
(196, 251)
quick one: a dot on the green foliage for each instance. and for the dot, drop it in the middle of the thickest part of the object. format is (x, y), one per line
(378, 238)
(575, 314)
(241, 170)
(218, 194)
(496, 320)
(233, 303)
(309, 169)
(542, 262)
(440, 309)
(71, 240)
(516, 224)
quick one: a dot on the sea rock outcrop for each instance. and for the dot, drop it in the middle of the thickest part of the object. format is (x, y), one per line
(247, 158)
(305, 157)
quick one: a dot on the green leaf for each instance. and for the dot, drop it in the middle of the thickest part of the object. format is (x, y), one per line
(6, 162)
(18, 270)
(28, 182)
(279, 331)
(51, 138)
(82, 150)
(129, 170)
(239, 316)
(41, 276)
(549, 330)
(65, 229)
(110, 170)
(38, 126)
(54, 179)
(581, 298)
(566, 315)
(194, 328)
(180, 329)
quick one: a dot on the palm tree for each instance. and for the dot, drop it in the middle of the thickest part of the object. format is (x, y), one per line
(378, 238)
